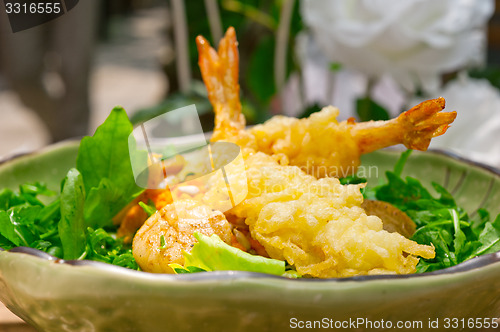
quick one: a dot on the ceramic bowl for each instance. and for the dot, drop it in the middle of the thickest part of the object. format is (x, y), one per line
(56, 295)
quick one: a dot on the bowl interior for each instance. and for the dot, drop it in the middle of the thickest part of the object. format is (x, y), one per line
(49, 166)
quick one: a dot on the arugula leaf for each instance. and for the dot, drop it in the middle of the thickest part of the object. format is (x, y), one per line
(489, 238)
(50, 212)
(125, 259)
(24, 220)
(213, 254)
(8, 230)
(72, 225)
(8, 199)
(35, 189)
(24, 214)
(459, 241)
(5, 243)
(16, 224)
(478, 223)
(455, 236)
(105, 247)
(41, 245)
(496, 223)
(400, 192)
(352, 179)
(446, 199)
(28, 193)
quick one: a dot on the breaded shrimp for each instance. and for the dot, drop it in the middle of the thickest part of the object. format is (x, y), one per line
(318, 225)
(319, 145)
(164, 236)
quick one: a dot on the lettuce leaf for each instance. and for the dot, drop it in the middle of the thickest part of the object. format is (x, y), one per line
(213, 254)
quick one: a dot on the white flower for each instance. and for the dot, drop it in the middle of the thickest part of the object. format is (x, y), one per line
(413, 40)
(475, 133)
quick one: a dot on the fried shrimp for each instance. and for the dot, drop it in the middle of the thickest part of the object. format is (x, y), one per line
(318, 225)
(169, 232)
(319, 145)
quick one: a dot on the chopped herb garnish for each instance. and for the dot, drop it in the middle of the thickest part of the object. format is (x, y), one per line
(149, 208)
(163, 243)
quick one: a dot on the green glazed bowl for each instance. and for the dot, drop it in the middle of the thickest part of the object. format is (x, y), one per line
(56, 295)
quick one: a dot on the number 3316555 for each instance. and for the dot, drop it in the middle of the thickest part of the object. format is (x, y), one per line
(33, 8)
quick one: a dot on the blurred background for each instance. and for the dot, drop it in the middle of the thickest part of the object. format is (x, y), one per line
(372, 59)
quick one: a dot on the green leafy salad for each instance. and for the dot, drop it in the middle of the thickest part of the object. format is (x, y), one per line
(76, 221)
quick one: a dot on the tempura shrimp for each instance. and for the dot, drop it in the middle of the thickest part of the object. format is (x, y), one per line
(319, 226)
(319, 145)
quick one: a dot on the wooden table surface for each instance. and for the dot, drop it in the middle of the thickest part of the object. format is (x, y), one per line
(11, 323)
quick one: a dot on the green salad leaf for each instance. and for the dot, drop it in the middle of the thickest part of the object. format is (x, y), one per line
(103, 203)
(25, 220)
(8, 198)
(105, 155)
(489, 238)
(91, 195)
(104, 162)
(18, 222)
(440, 222)
(213, 254)
(105, 247)
(72, 226)
(10, 231)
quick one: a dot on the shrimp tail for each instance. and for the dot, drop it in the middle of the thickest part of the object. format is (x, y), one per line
(424, 122)
(414, 128)
(219, 70)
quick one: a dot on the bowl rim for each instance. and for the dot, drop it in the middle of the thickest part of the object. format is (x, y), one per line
(471, 264)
